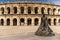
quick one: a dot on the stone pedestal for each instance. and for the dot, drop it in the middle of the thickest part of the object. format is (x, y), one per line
(44, 29)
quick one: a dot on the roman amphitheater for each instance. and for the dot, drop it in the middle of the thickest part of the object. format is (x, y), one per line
(23, 17)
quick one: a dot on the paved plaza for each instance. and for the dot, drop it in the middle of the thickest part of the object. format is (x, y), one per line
(30, 36)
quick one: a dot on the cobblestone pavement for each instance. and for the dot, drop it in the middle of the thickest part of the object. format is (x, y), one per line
(30, 36)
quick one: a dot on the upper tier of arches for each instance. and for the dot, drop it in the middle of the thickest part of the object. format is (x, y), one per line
(29, 8)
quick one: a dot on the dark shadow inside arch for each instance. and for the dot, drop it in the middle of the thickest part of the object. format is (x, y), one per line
(15, 10)
(48, 10)
(22, 10)
(54, 11)
(29, 21)
(54, 21)
(8, 22)
(29, 10)
(14, 22)
(36, 21)
(42, 10)
(22, 21)
(8, 9)
(59, 21)
(2, 22)
(2, 9)
(36, 10)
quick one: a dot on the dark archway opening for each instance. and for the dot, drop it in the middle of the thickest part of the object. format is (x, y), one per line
(15, 10)
(2, 22)
(8, 10)
(29, 10)
(42, 10)
(36, 10)
(22, 10)
(54, 11)
(22, 21)
(49, 21)
(54, 21)
(8, 22)
(48, 10)
(29, 21)
(2, 9)
(14, 22)
(36, 21)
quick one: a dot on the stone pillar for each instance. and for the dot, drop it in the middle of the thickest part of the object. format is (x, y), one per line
(5, 10)
(56, 12)
(25, 10)
(5, 22)
(11, 22)
(25, 22)
(32, 21)
(11, 10)
(39, 10)
(18, 10)
(18, 22)
(39, 21)
(32, 10)
(45, 11)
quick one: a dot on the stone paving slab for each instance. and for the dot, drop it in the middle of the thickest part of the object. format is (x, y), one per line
(30, 36)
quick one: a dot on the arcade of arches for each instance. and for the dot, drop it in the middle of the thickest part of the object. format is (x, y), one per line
(28, 22)
(13, 14)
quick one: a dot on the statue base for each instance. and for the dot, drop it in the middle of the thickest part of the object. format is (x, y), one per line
(44, 32)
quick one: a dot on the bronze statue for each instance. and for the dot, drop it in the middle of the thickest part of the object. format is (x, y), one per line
(44, 29)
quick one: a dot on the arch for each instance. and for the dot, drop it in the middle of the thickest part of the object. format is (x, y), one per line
(54, 11)
(2, 9)
(36, 21)
(42, 10)
(8, 21)
(8, 9)
(49, 21)
(59, 20)
(22, 10)
(29, 10)
(29, 21)
(14, 22)
(36, 10)
(2, 22)
(49, 10)
(58, 11)
(54, 21)
(22, 21)
(15, 10)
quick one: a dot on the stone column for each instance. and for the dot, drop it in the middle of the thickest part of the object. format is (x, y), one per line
(25, 21)
(11, 10)
(11, 22)
(45, 11)
(18, 22)
(25, 10)
(32, 21)
(5, 10)
(18, 10)
(56, 12)
(39, 10)
(5, 22)
(39, 21)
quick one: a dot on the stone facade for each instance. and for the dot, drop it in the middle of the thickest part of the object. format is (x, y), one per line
(26, 16)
